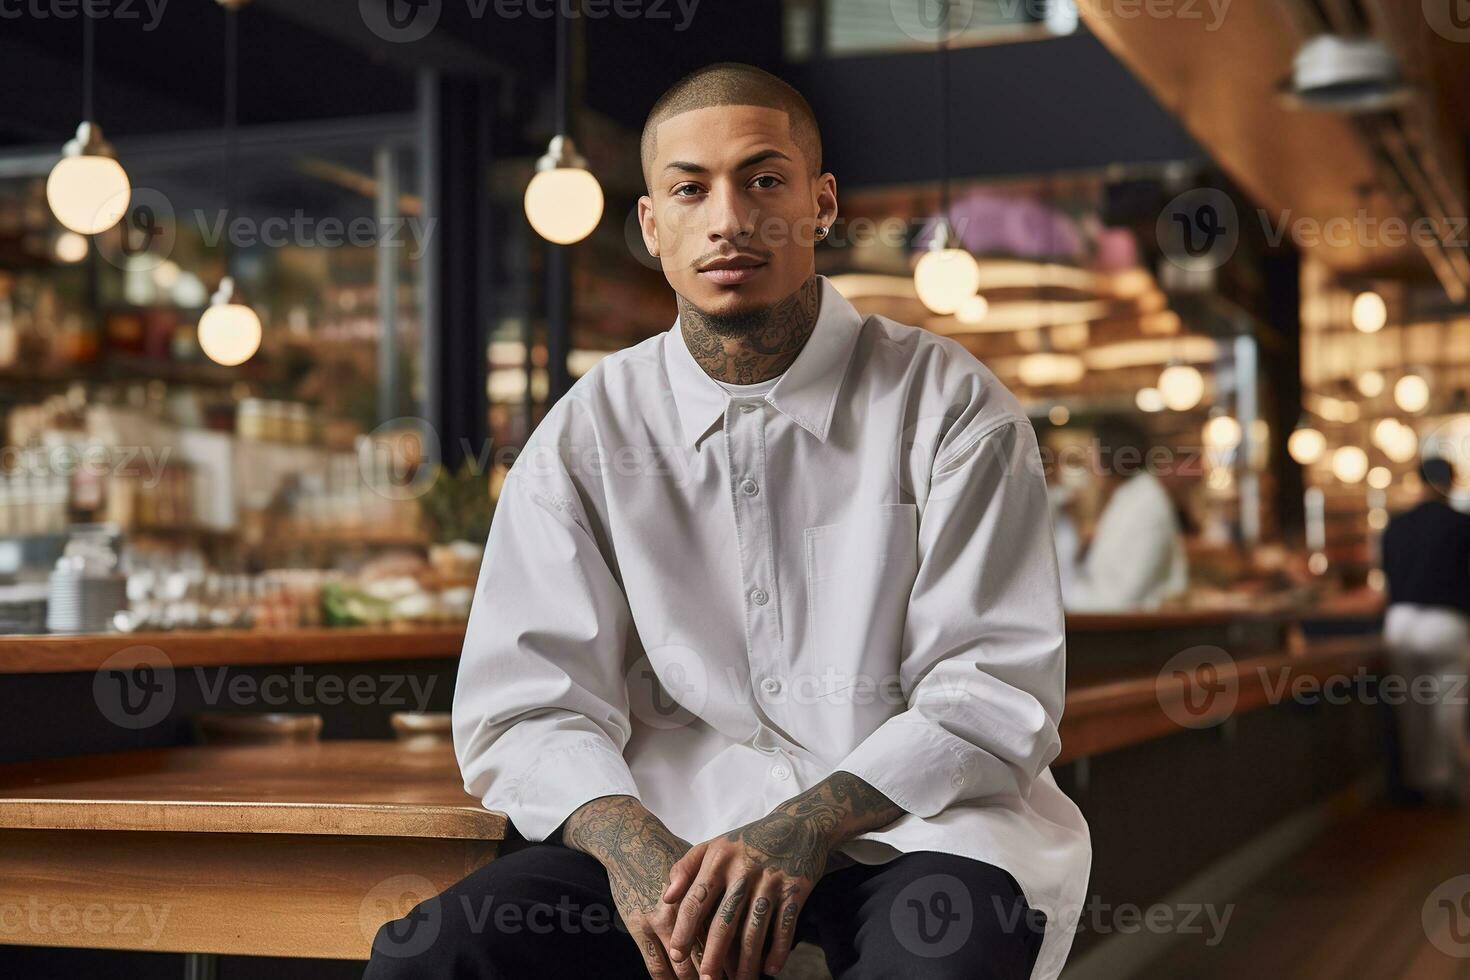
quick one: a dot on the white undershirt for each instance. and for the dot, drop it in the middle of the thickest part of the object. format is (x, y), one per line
(748, 391)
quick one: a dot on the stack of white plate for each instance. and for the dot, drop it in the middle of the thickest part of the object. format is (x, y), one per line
(81, 603)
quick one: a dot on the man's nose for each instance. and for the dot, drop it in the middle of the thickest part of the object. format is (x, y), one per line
(731, 218)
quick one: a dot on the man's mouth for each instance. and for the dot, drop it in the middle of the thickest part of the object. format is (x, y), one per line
(733, 272)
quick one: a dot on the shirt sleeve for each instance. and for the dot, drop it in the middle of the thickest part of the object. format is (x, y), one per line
(983, 658)
(541, 712)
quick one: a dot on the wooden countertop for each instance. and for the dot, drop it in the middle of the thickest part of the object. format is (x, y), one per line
(1111, 715)
(216, 648)
(343, 788)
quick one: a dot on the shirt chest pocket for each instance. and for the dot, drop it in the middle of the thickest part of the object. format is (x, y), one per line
(858, 576)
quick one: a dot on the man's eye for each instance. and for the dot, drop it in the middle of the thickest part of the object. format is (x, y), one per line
(774, 180)
(678, 191)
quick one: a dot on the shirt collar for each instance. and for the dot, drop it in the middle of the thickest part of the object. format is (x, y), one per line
(806, 393)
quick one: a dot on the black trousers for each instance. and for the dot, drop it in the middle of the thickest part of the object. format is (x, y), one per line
(546, 911)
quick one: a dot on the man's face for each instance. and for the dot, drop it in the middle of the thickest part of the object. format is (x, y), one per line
(729, 182)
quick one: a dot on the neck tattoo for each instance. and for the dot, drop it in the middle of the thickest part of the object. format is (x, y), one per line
(749, 348)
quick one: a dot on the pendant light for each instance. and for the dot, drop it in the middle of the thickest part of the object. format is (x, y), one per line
(88, 190)
(229, 331)
(1306, 445)
(1182, 387)
(1369, 312)
(564, 200)
(947, 275)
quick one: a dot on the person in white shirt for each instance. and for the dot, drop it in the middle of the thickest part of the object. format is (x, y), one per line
(767, 645)
(1135, 557)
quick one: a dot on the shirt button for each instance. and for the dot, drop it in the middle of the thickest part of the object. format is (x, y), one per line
(771, 685)
(748, 407)
(758, 596)
(780, 772)
(748, 486)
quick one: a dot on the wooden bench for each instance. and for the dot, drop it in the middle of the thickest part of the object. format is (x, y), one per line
(286, 850)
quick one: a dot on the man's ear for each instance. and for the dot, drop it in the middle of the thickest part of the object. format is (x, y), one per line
(646, 224)
(826, 200)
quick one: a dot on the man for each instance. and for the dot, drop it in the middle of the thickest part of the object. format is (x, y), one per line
(777, 583)
(1426, 560)
(1135, 557)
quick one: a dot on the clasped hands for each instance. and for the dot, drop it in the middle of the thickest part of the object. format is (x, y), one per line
(727, 907)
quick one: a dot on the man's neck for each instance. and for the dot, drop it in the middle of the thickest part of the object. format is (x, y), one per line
(749, 349)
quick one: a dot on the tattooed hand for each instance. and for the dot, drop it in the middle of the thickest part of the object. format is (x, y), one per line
(748, 887)
(638, 852)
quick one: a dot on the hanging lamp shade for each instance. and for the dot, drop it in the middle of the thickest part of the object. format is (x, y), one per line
(563, 201)
(229, 331)
(88, 190)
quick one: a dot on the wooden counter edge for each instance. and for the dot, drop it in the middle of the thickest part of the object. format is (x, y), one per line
(1113, 715)
(50, 654)
(310, 819)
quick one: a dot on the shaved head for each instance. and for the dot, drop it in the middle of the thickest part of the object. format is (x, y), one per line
(734, 83)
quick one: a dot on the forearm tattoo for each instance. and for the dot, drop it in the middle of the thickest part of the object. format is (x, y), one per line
(633, 844)
(798, 834)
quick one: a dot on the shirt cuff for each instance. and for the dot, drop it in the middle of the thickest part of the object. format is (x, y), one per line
(918, 768)
(552, 787)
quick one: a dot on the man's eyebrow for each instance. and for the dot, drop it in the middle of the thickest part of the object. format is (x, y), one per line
(750, 161)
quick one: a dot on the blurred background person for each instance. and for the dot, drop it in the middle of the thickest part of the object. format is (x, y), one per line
(1134, 558)
(1426, 559)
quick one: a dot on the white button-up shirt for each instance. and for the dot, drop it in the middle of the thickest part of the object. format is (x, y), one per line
(712, 602)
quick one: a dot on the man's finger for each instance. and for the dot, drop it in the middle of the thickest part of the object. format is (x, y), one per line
(724, 927)
(783, 928)
(694, 911)
(683, 872)
(684, 967)
(753, 934)
(654, 957)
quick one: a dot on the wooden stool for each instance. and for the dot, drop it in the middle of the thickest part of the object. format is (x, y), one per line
(276, 728)
(422, 728)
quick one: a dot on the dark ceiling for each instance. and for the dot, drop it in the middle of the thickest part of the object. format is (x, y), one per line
(318, 59)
